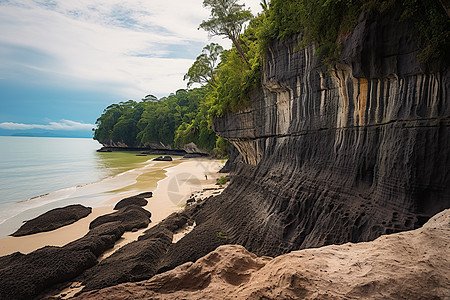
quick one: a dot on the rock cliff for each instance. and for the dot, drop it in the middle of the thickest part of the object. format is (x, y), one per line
(328, 157)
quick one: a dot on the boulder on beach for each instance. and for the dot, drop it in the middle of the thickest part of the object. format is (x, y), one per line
(54, 219)
(134, 200)
(163, 158)
(137, 260)
(24, 276)
(131, 216)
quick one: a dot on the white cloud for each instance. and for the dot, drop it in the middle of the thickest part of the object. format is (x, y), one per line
(135, 47)
(61, 125)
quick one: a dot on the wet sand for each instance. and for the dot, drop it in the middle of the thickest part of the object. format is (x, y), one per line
(172, 183)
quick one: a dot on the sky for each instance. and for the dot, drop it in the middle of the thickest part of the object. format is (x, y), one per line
(63, 61)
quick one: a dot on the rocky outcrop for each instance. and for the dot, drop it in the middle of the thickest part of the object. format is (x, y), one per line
(138, 200)
(407, 265)
(24, 276)
(137, 260)
(193, 151)
(54, 219)
(163, 158)
(130, 217)
(347, 155)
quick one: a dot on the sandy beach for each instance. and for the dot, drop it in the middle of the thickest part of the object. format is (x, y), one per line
(172, 183)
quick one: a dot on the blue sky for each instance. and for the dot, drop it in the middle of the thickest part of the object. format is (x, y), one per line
(63, 61)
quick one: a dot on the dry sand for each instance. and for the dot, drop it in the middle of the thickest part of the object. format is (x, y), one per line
(184, 177)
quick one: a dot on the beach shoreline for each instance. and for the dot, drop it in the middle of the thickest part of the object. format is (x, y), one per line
(182, 178)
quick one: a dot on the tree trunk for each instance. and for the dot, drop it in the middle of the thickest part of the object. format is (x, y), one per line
(446, 8)
(239, 50)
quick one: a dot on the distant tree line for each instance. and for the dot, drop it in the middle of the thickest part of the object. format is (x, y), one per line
(174, 121)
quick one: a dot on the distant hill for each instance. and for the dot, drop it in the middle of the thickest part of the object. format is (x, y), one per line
(46, 133)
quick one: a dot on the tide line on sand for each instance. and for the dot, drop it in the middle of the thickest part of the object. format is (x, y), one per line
(183, 178)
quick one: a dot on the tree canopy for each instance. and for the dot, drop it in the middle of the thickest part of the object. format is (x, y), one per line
(227, 19)
(203, 71)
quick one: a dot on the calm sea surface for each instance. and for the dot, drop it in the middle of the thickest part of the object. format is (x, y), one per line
(34, 166)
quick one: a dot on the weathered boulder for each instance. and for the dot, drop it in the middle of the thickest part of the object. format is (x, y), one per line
(54, 219)
(138, 200)
(130, 217)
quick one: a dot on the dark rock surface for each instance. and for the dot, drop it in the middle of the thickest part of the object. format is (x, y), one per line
(192, 149)
(54, 219)
(24, 276)
(134, 200)
(194, 155)
(153, 150)
(163, 158)
(135, 261)
(130, 217)
(178, 152)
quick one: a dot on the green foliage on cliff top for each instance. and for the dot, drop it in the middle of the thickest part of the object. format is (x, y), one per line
(236, 79)
(328, 22)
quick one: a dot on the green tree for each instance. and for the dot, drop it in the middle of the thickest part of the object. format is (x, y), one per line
(264, 5)
(227, 19)
(203, 71)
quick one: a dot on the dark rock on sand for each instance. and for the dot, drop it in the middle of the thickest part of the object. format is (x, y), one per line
(99, 238)
(136, 261)
(172, 223)
(163, 158)
(131, 216)
(134, 200)
(194, 155)
(54, 219)
(24, 276)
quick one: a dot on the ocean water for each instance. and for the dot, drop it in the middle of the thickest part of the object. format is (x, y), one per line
(37, 174)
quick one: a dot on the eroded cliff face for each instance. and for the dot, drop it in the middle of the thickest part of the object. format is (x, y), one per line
(341, 155)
